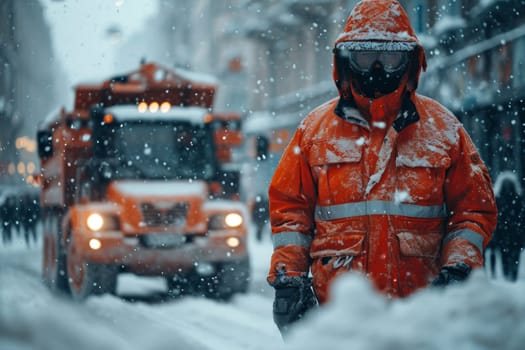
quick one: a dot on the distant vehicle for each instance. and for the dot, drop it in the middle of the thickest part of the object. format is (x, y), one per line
(265, 139)
(131, 182)
(228, 142)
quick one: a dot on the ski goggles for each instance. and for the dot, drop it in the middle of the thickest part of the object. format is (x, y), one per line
(362, 55)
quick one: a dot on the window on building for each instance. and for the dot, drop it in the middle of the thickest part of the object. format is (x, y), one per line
(518, 63)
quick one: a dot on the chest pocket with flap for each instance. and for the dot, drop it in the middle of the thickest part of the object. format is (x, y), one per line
(337, 169)
(421, 172)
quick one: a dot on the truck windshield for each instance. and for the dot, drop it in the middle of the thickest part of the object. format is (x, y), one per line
(164, 150)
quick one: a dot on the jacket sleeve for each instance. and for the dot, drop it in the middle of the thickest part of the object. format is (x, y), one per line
(471, 206)
(292, 197)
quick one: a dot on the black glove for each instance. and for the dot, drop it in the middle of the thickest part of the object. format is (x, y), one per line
(452, 274)
(291, 304)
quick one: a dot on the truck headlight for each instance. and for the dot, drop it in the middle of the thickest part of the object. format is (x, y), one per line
(233, 220)
(95, 222)
(225, 221)
(233, 242)
(102, 222)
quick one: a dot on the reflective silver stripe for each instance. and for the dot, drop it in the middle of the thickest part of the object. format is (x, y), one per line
(471, 236)
(287, 238)
(350, 210)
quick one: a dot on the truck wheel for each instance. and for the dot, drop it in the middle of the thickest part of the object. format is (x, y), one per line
(87, 278)
(55, 267)
(81, 276)
(46, 263)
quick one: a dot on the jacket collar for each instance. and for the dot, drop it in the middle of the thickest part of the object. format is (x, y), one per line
(347, 110)
(407, 115)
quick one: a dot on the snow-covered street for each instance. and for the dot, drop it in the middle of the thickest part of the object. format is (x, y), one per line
(481, 314)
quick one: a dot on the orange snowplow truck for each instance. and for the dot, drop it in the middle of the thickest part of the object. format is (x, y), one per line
(131, 182)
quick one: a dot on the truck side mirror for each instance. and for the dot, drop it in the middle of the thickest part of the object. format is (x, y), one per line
(102, 133)
(262, 147)
(45, 143)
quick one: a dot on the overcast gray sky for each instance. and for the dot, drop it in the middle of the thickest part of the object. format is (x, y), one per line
(85, 33)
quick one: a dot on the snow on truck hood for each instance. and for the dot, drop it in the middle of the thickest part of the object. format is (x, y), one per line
(160, 189)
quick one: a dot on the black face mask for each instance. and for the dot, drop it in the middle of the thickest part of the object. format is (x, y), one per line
(376, 80)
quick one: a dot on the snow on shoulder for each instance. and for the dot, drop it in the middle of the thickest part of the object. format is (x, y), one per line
(479, 314)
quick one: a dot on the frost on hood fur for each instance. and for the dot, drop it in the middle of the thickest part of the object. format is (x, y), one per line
(383, 21)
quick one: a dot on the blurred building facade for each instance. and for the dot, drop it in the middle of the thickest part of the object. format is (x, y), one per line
(477, 69)
(275, 57)
(27, 90)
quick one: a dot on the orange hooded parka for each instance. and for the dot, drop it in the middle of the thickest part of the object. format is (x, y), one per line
(391, 187)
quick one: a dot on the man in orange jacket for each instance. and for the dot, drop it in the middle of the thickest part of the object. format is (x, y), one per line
(380, 180)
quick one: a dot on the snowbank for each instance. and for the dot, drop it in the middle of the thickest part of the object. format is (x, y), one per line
(480, 314)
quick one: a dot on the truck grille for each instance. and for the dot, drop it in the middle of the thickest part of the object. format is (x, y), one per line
(174, 215)
(164, 240)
